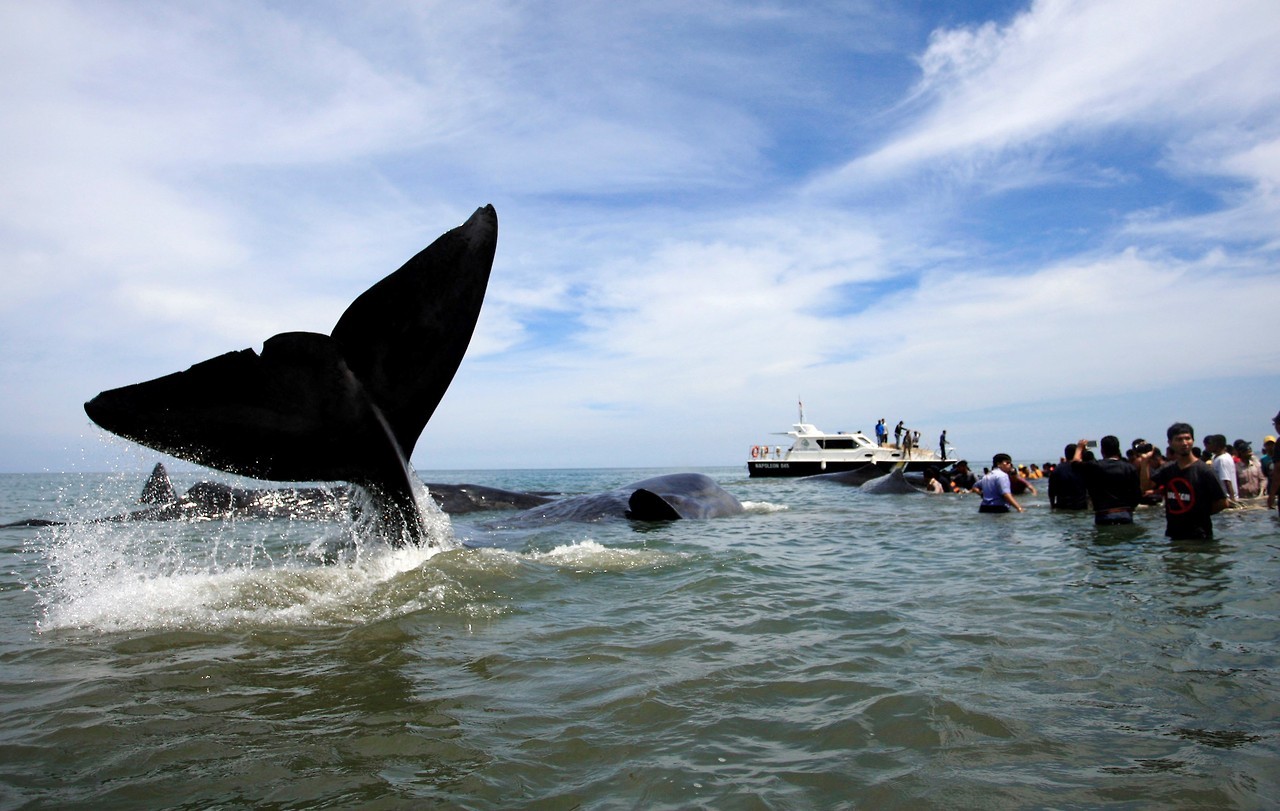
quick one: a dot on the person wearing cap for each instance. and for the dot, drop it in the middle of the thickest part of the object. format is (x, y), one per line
(1248, 471)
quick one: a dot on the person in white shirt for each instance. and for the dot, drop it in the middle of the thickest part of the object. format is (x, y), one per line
(1224, 464)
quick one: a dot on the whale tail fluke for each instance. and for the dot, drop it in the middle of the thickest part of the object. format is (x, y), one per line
(405, 337)
(342, 407)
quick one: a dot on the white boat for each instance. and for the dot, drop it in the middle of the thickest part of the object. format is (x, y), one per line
(813, 452)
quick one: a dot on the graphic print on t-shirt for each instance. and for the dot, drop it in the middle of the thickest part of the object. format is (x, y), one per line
(1179, 496)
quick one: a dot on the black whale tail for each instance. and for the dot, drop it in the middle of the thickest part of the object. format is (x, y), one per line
(342, 407)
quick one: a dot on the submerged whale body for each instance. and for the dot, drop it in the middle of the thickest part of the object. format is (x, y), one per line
(894, 483)
(348, 406)
(852, 478)
(879, 479)
(661, 498)
(458, 499)
(214, 500)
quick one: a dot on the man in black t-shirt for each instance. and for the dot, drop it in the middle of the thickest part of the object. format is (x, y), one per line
(1066, 488)
(1113, 484)
(962, 478)
(1273, 491)
(1192, 494)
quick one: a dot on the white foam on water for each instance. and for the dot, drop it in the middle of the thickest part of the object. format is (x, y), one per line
(590, 555)
(132, 576)
(763, 507)
(208, 575)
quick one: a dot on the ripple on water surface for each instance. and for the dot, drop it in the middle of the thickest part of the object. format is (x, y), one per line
(831, 650)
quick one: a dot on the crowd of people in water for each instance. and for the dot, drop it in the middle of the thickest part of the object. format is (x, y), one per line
(1193, 482)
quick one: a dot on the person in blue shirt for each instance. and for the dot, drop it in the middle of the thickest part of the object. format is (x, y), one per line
(997, 495)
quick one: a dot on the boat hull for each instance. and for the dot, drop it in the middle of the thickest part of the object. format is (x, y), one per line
(782, 468)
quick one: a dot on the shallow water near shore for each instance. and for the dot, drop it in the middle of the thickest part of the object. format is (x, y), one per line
(826, 649)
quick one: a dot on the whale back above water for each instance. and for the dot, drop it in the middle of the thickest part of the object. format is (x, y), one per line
(893, 483)
(680, 495)
(852, 478)
(660, 498)
(349, 406)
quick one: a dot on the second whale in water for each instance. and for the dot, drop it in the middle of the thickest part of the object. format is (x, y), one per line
(661, 498)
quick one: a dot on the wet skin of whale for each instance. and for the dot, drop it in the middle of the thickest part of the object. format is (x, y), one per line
(660, 498)
(214, 500)
(348, 406)
(894, 483)
(852, 478)
(874, 478)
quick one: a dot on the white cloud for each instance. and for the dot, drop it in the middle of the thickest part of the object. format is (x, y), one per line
(183, 181)
(1067, 70)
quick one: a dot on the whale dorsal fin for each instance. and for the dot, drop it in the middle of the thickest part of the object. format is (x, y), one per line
(158, 489)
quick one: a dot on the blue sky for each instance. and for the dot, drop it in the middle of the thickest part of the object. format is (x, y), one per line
(1024, 223)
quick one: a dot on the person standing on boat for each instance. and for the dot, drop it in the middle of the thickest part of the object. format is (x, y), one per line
(897, 434)
(882, 433)
(997, 495)
(942, 445)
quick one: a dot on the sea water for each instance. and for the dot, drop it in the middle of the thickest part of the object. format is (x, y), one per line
(828, 648)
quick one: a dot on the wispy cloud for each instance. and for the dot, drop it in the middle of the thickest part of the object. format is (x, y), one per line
(1064, 73)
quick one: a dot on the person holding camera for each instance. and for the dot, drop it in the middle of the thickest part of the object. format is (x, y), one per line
(1066, 488)
(1113, 483)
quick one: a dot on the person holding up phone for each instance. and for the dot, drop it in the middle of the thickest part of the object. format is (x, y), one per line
(1113, 483)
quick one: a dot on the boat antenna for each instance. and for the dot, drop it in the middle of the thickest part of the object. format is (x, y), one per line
(801, 402)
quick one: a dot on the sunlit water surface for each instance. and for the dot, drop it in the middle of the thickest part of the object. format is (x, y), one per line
(827, 649)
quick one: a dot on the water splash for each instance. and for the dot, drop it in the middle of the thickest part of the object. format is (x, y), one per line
(235, 573)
